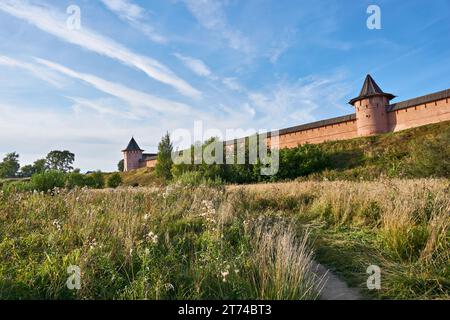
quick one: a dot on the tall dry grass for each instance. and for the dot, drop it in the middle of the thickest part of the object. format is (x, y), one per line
(408, 221)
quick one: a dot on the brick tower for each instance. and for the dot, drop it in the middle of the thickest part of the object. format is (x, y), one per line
(132, 156)
(370, 105)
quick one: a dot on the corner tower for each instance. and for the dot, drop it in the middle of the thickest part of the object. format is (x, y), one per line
(132, 156)
(370, 105)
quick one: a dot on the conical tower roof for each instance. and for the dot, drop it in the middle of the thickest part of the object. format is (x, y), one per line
(132, 146)
(370, 89)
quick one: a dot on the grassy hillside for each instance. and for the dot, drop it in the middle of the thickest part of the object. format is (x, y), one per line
(417, 152)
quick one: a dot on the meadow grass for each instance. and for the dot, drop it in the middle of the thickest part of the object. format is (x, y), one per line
(400, 225)
(234, 242)
(169, 243)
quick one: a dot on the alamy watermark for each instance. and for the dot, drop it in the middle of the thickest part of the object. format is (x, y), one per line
(374, 20)
(259, 147)
(374, 280)
(74, 280)
(73, 22)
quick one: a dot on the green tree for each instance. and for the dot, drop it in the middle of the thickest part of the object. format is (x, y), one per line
(164, 160)
(10, 165)
(114, 180)
(40, 166)
(60, 160)
(121, 165)
(27, 171)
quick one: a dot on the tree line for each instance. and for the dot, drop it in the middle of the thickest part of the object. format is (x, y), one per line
(296, 162)
(55, 160)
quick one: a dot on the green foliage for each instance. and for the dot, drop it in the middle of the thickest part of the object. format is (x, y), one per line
(121, 165)
(301, 161)
(196, 178)
(164, 159)
(27, 171)
(96, 180)
(75, 179)
(47, 181)
(38, 166)
(60, 160)
(114, 180)
(10, 165)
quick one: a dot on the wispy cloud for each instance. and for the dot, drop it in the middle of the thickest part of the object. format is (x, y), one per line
(299, 102)
(52, 22)
(135, 16)
(101, 106)
(195, 65)
(200, 68)
(133, 97)
(281, 45)
(211, 15)
(37, 71)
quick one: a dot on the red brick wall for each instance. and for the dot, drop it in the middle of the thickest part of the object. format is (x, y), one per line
(150, 163)
(419, 115)
(339, 131)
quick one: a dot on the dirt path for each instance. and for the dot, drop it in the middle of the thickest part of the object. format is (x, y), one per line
(333, 287)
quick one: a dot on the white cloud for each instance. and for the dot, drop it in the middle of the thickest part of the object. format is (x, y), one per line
(232, 84)
(211, 15)
(101, 106)
(195, 65)
(37, 71)
(52, 22)
(125, 9)
(298, 102)
(134, 15)
(135, 98)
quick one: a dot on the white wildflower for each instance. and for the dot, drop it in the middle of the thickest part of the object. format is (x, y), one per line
(152, 237)
(57, 224)
(169, 287)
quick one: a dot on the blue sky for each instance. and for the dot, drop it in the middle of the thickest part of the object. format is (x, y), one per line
(146, 67)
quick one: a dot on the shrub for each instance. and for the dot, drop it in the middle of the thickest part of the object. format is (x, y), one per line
(302, 161)
(48, 181)
(196, 178)
(75, 179)
(114, 180)
(96, 180)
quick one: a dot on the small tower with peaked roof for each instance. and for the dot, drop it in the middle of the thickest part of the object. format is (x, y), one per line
(370, 105)
(132, 156)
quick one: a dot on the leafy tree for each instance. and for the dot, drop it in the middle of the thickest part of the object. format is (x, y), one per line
(10, 165)
(27, 171)
(60, 160)
(114, 180)
(164, 160)
(40, 165)
(121, 165)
